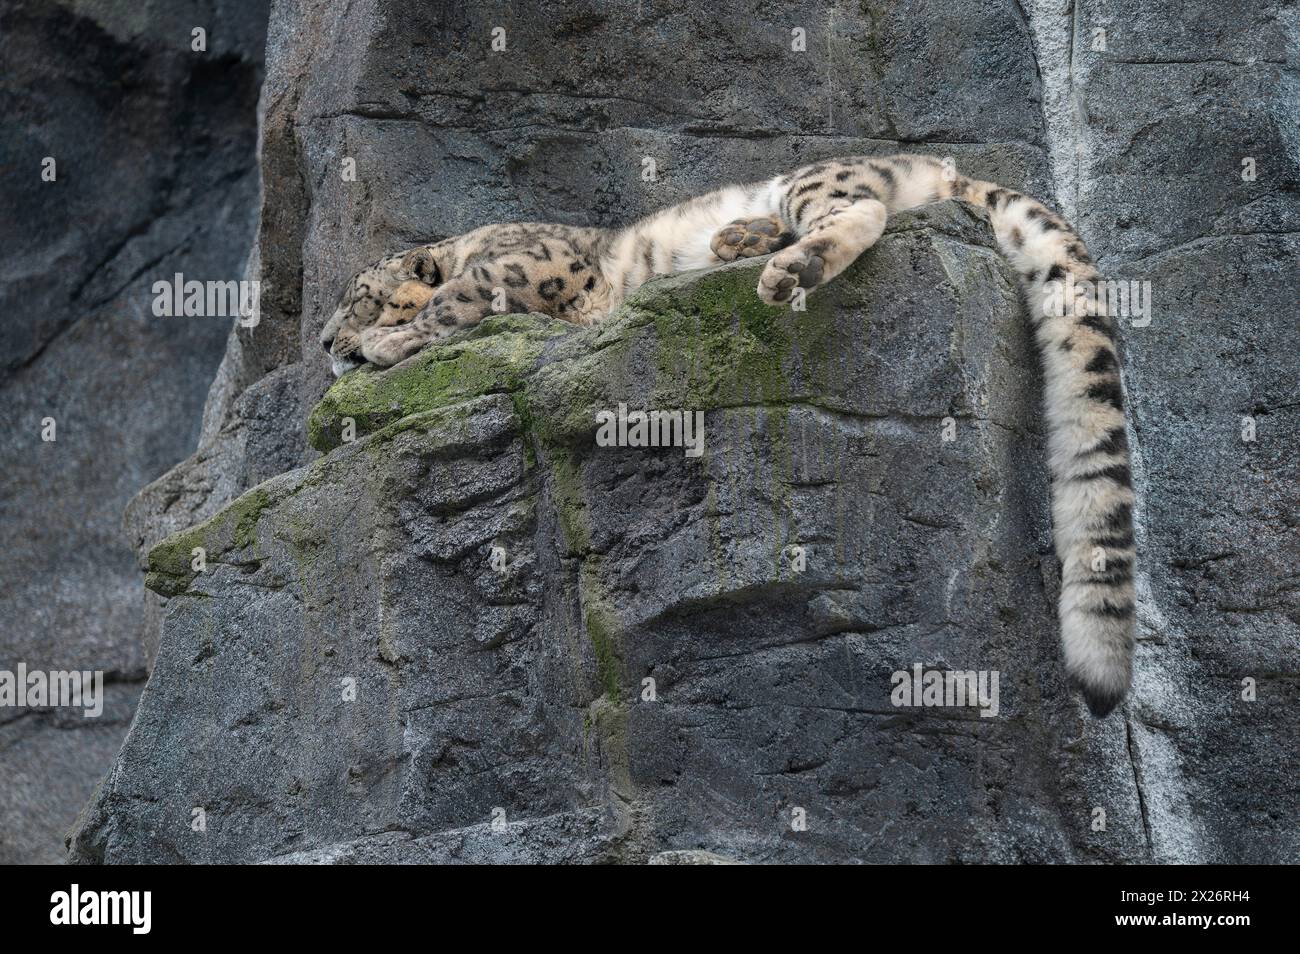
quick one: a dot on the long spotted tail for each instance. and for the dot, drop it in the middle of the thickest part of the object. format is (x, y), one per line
(836, 209)
(1092, 499)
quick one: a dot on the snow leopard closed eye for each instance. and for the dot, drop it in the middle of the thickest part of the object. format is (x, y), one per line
(388, 293)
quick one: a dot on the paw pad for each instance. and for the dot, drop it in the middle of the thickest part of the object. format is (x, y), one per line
(792, 269)
(745, 238)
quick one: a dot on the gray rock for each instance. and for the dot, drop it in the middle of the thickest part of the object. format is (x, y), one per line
(155, 173)
(690, 858)
(1169, 111)
(584, 836)
(52, 760)
(522, 691)
(520, 695)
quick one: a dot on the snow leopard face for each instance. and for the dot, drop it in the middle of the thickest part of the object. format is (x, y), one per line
(390, 293)
(407, 302)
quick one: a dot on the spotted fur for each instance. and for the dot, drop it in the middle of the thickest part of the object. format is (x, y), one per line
(815, 221)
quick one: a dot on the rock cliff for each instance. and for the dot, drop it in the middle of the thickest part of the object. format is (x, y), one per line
(153, 145)
(351, 679)
(472, 633)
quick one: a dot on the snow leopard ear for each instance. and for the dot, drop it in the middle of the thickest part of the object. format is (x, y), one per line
(420, 264)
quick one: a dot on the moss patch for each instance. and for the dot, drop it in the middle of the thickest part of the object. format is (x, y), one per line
(705, 336)
(231, 535)
(720, 346)
(171, 567)
(493, 357)
(570, 503)
(602, 629)
(697, 341)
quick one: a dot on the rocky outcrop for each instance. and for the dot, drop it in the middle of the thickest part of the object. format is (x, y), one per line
(383, 127)
(507, 721)
(128, 156)
(474, 634)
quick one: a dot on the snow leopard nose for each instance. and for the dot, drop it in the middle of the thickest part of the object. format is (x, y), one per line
(327, 344)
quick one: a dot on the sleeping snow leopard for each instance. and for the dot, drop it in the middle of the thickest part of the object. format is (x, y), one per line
(816, 220)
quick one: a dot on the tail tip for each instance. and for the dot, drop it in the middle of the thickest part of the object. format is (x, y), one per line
(1102, 701)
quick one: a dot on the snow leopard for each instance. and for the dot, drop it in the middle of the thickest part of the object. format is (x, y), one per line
(813, 223)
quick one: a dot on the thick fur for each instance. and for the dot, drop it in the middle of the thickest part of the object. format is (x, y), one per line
(817, 220)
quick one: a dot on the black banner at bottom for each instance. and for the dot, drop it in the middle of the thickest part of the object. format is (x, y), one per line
(213, 904)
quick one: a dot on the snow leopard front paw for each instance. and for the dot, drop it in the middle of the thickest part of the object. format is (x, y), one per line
(385, 347)
(745, 238)
(799, 266)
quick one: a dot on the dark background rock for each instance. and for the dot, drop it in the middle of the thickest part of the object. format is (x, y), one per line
(156, 174)
(1141, 143)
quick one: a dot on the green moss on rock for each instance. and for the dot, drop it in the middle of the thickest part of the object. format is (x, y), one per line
(708, 338)
(709, 343)
(602, 629)
(569, 500)
(492, 358)
(720, 346)
(171, 561)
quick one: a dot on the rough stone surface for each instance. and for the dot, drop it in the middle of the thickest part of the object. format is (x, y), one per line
(155, 173)
(521, 692)
(1162, 120)
(518, 691)
(517, 696)
(690, 858)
